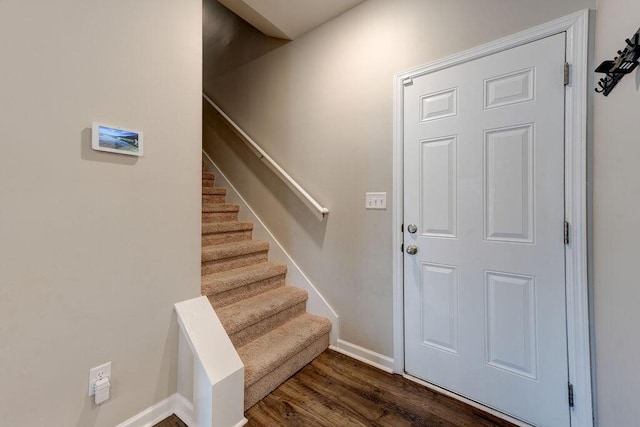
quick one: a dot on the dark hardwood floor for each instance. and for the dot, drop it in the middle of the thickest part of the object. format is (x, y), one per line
(172, 421)
(336, 390)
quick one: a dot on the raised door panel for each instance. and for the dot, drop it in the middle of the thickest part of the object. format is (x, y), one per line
(511, 323)
(438, 193)
(512, 88)
(440, 307)
(509, 184)
(439, 105)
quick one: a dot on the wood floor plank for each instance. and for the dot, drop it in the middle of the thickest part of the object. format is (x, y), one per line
(300, 410)
(402, 396)
(336, 390)
(371, 403)
(352, 404)
(412, 393)
(336, 410)
(172, 421)
(275, 410)
(375, 392)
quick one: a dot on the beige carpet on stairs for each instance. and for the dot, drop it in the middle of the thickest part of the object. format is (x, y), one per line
(265, 318)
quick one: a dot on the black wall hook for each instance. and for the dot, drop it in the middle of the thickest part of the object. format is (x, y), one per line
(623, 64)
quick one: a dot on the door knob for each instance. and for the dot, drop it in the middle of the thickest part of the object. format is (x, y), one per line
(411, 228)
(412, 249)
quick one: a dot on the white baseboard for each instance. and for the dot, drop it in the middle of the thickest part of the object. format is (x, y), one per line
(362, 354)
(183, 409)
(175, 404)
(316, 304)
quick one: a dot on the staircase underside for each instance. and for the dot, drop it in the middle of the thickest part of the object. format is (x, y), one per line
(284, 20)
(265, 318)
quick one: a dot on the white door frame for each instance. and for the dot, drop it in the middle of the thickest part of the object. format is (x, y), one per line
(578, 333)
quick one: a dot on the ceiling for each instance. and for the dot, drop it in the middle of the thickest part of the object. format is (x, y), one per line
(288, 19)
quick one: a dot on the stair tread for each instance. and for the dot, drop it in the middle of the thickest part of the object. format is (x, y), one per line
(250, 311)
(252, 301)
(269, 351)
(219, 207)
(226, 227)
(233, 249)
(214, 191)
(231, 279)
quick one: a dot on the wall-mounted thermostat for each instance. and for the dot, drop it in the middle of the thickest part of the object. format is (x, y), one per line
(115, 139)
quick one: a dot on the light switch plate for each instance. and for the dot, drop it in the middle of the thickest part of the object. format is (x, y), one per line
(375, 201)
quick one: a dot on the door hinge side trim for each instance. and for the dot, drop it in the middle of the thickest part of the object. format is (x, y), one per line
(566, 232)
(567, 73)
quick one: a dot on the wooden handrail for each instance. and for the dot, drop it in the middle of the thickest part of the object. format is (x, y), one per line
(318, 210)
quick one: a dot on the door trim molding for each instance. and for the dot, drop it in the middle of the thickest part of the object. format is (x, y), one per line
(578, 331)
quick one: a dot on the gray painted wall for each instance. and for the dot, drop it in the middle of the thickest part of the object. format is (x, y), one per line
(322, 107)
(95, 248)
(616, 224)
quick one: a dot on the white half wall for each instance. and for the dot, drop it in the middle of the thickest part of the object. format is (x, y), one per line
(95, 247)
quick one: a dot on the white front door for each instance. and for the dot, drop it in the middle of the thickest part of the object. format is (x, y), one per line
(484, 294)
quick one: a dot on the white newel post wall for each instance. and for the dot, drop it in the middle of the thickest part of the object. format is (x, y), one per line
(210, 371)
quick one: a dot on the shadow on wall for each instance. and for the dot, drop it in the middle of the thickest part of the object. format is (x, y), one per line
(88, 153)
(226, 148)
(229, 42)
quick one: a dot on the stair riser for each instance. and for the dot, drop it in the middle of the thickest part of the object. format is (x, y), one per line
(214, 190)
(254, 393)
(243, 336)
(252, 289)
(208, 182)
(219, 216)
(232, 236)
(216, 266)
(213, 198)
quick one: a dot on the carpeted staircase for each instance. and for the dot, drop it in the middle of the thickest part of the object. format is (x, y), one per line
(265, 319)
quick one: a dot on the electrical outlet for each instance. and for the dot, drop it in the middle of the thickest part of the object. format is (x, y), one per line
(98, 373)
(375, 201)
